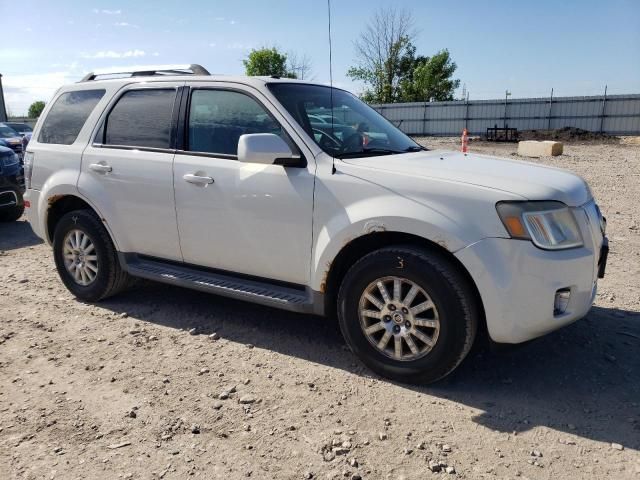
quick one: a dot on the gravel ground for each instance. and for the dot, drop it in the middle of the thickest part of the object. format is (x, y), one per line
(162, 382)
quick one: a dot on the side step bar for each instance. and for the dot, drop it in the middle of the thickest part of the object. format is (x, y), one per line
(225, 284)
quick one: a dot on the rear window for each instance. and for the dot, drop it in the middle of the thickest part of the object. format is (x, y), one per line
(68, 115)
(141, 118)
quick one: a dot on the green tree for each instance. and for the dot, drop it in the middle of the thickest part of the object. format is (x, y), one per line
(430, 79)
(267, 62)
(35, 109)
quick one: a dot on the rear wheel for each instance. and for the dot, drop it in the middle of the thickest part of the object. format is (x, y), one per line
(86, 258)
(409, 314)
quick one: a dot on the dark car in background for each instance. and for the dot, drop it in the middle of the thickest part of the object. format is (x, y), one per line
(11, 139)
(21, 128)
(11, 186)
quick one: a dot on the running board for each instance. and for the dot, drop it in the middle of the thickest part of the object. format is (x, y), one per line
(227, 285)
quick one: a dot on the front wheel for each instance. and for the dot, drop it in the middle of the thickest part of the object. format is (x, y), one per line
(408, 314)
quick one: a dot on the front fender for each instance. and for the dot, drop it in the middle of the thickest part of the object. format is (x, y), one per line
(357, 201)
(357, 220)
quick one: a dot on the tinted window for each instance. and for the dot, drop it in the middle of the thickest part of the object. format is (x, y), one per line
(141, 118)
(217, 118)
(68, 115)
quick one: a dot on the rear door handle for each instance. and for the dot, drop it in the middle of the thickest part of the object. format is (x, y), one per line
(100, 167)
(198, 179)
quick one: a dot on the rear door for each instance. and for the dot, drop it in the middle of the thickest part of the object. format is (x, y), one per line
(245, 218)
(127, 170)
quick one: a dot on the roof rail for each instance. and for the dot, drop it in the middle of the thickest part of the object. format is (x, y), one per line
(151, 70)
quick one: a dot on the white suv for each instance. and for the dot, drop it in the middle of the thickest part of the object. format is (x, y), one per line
(301, 197)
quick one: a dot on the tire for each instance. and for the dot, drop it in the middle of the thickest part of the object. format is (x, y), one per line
(110, 278)
(450, 325)
(14, 213)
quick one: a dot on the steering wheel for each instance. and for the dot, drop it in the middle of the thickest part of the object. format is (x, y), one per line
(325, 138)
(352, 143)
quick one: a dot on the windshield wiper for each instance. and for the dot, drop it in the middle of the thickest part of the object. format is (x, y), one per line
(415, 148)
(368, 152)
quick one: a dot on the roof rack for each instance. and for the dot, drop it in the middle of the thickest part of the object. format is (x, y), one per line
(151, 70)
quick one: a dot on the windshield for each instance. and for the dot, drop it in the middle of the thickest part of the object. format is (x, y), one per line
(350, 129)
(6, 132)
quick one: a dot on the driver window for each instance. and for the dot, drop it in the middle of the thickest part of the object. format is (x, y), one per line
(217, 119)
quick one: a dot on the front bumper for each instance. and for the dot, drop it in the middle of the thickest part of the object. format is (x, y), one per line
(518, 281)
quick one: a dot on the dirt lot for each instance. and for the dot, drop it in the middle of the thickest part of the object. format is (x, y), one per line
(127, 388)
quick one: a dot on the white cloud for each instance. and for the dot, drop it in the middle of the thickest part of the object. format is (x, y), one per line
(155, 54)
(22, 90)
(107, 11)
(114, 54)
(125, 24)
(213, 44)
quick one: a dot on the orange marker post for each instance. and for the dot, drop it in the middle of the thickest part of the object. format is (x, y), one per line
(465, 141)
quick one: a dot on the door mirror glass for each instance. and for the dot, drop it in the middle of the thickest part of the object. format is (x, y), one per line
(265, 148)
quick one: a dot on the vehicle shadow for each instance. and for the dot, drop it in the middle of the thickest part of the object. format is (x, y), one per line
(17, 234)
(590, 369)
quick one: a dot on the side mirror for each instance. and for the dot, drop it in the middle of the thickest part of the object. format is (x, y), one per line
(266, 148)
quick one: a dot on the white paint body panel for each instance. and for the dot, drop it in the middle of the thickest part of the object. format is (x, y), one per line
(135, 198)
(289, 224)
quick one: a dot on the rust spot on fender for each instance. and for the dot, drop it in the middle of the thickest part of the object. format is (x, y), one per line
(325, 275)
(53, 199)
(374, 226)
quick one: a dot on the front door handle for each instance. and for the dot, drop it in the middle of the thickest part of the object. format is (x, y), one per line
(100, 167)
(198, 179)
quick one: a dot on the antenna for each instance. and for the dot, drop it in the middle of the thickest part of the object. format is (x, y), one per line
(333, 158)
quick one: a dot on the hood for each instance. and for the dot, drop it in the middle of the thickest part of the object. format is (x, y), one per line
(528, 180)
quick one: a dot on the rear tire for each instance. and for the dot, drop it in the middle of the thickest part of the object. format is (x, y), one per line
(429, 303)
(86, 258)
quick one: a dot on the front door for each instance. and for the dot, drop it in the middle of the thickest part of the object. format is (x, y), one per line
(127, 171)
(245, 218)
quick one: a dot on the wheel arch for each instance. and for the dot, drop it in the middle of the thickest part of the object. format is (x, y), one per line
(363, 245)
(59, 205)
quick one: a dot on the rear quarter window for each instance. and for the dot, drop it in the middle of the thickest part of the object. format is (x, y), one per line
(68, 115)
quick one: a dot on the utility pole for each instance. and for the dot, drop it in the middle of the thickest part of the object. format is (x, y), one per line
(550, 107)
(507, 94)
(3, 109)
(604, 104)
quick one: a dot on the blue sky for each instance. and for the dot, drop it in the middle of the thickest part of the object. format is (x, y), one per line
(576, 47)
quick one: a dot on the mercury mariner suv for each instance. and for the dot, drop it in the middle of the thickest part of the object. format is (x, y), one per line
(299, 196)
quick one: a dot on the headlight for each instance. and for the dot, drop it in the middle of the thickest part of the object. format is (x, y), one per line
(10, 160)
(549, 225)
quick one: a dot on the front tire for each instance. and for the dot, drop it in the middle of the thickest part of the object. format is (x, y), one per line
(408, 314)
(86, 258)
